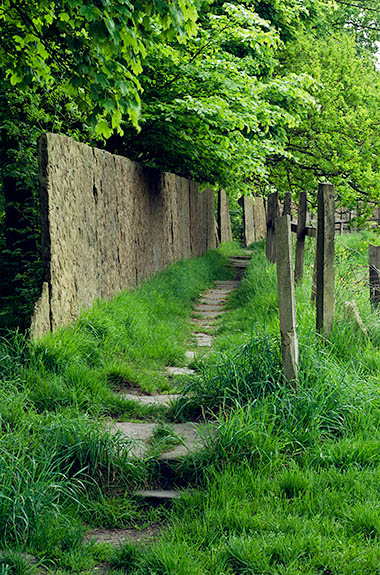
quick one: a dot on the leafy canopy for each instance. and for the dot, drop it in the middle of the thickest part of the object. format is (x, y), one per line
(92, 49)
(214, 108)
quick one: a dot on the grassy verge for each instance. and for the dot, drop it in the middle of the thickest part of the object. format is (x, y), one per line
(59, 468)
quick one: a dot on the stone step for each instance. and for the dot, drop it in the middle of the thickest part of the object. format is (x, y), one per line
(203, 339)
(212, 314)
(173, 371)
(117, 537)
(164, 399)
(221, 293)
(209, 307)
(232, 284)
(142, 433)
(158, 496)
(240, 263)
(213, 298)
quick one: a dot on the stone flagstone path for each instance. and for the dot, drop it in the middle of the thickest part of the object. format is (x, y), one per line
(209, 308)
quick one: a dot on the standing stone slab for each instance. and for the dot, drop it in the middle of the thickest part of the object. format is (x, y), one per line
(248, 220)
(325, 259)
(224, 220)
(287, 210)
(273, 213)
(286, 299)
(259, 219)
(301, 234)
(374, 275)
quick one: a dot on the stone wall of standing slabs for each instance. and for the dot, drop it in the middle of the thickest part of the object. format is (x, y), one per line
(108, 223)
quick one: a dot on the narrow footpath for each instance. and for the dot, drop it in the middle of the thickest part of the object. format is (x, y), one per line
(180, 439)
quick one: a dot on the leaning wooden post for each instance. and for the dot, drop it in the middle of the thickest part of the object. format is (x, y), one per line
(273, 211)
(301, 234)
(325, 259)
(374, 276)
(286, 299)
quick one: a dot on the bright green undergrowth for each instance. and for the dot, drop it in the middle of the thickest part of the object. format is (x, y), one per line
(59, 467)
(290, 481)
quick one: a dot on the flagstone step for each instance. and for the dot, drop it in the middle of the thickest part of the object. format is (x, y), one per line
(163, 399)
(142, 433)
(158, 496)
(173, 371)
(203, 339)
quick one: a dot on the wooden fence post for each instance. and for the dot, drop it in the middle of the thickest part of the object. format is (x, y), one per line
(286, 299)
(273, 211)
(301, 234)
(374, 276)
(325, 259)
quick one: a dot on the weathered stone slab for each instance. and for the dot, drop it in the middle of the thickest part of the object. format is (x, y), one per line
(213, 298)
(163, 399)
(325, 303)
(374, 276)
(224, 220)
(210, 314)
(227, 283)
(202, 323)
(190, 355)
(273, 213)
(208, 307)
(248, 220)
(286, 299)
(173, 371)
(301, 235)
(203, 339)
(158, 496)
(259, 219)
(117, 537)
(142, 433)
(240, 263)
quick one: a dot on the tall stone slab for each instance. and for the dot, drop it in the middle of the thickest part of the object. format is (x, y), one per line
(301, 235)
(108, 223)
(287, 209)
(273, 213)
(374, 276)
(259, 219)
(248, 220)
(224, 220)
(325, 302)
(286, 299)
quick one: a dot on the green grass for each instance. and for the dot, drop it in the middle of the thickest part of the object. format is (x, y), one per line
(59, 468)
